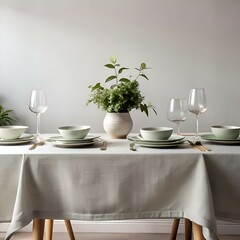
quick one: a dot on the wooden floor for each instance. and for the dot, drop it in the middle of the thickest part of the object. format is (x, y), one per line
(109, 236)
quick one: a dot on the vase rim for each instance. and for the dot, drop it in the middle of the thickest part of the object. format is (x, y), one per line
(117, 112)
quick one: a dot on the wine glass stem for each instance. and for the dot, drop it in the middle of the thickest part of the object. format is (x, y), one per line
(38, 124)
(178, 129)
(196, 125)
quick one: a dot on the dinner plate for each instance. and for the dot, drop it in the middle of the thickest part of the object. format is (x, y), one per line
(172, 139)
(70, 144)
(173, 144)
(22, 139)
(77, 144)
(88, 138)
(213, 138)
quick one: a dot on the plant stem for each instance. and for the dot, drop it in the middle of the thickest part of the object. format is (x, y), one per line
(140, 71)
(116, 74)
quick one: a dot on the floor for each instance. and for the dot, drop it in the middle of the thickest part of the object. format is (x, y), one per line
(109, 236)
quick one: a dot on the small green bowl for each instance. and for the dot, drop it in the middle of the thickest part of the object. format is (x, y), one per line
(156, 133)
(74, 132)
(225, 132)
(12, 132)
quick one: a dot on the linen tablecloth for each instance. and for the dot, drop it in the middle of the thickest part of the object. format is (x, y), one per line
(117, 184)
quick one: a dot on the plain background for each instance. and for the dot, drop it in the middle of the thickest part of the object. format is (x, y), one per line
(61, 46)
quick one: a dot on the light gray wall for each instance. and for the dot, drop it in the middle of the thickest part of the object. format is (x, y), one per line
(60, 46)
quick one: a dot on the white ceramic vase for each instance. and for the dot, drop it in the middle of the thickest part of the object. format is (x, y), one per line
(117, 125)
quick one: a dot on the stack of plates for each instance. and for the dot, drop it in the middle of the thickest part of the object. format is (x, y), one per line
(25, 138)
(63, 142)
(213, 138)
(173, 141)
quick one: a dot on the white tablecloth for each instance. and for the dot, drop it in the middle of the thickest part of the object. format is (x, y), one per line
(90, 184)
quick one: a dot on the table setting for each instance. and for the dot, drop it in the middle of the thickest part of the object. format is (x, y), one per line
(7, 139)
(73, 136)
(155, 145)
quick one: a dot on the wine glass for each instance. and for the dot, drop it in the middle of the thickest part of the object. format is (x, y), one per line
(177, 112)
(197, 104)
(38, 105)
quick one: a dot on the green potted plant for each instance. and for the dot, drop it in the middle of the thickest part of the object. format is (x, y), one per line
(5, 118)
(120, 98)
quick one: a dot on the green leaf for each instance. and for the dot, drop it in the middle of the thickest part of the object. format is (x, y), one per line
(143, 75)
(109, 65)
(153, 108)
(125, 80)
(144, 108)
(113, 86)
(8, 111)
(110, 78)
(97, 86)
(5, 119)
(121, 69)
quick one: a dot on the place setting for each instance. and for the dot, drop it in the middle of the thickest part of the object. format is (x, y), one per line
(14, 135)
(163, 137)
(156, 137)
(70, 136)
(74, 136)
(223, 134)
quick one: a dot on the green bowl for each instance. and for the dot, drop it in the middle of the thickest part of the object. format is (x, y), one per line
(12, 132)
(225, 132)
(74, 132)
(156, 133)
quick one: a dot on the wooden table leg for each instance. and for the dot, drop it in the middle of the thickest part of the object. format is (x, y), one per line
(197, 232)
(69, 229)
(188, 229)
(49, 229)
(38, 229)
(174, 230)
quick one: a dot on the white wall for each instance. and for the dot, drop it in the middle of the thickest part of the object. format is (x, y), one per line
(60, 46)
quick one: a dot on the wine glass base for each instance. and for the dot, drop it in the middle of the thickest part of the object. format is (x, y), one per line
(195, 138)
(38, 138)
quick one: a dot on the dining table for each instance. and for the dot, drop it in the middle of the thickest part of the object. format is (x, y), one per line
(87, 183)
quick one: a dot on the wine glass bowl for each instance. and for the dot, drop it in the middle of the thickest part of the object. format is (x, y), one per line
(38, 105)
(197, 104)
(177, 112)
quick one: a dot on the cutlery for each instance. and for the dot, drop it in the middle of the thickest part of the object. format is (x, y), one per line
(132, 146)
(193, 145)
(39, 143)
(204, 148)
(104, 145)
(198, 145)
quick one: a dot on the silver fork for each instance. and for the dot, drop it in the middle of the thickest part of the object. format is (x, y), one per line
(104, 145)
(198, 145)
(132, 146)
(39, 143)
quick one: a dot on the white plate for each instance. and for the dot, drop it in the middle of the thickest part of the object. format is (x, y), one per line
(70, 144)
(213, 138)
(161, 145)
(88, 138)
(23, 139)
(172, 139)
